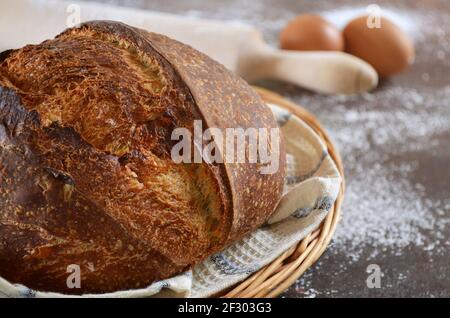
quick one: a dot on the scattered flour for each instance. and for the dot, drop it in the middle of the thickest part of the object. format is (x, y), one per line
(384, 205)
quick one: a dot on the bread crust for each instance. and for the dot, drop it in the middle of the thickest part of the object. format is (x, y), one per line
(85, 170)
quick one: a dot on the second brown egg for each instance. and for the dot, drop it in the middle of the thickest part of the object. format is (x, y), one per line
(311, 33)
(386, 47)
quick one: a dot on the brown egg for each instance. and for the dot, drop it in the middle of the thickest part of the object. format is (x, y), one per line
(311, 33)
(387, 48)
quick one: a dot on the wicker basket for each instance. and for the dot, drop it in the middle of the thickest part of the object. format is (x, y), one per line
(274, 278)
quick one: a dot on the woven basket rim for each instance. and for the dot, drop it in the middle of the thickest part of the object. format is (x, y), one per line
(274, 278)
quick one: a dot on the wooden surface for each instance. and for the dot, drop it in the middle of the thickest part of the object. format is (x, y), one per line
(404, 228)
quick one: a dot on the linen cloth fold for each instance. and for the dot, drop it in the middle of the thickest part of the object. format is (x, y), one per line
(311, 187)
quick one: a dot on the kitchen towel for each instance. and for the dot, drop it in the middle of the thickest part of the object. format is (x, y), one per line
(311, 187)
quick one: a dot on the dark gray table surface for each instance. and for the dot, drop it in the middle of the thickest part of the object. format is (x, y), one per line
(395, 143)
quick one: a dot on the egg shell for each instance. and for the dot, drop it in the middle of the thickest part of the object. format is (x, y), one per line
(311, 33)
(387, 48)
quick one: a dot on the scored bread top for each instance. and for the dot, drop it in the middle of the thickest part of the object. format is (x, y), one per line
(86, 173)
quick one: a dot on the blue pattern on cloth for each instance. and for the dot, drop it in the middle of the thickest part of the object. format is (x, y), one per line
(324, 204)
(228, 267)
(27, 292)
(283, 117)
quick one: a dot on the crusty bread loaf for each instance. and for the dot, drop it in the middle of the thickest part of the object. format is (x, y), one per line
(86, 175)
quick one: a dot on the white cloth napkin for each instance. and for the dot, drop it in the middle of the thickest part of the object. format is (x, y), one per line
(311, 187)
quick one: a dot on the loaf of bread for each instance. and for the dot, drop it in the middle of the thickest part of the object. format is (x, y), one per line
(86, 174)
